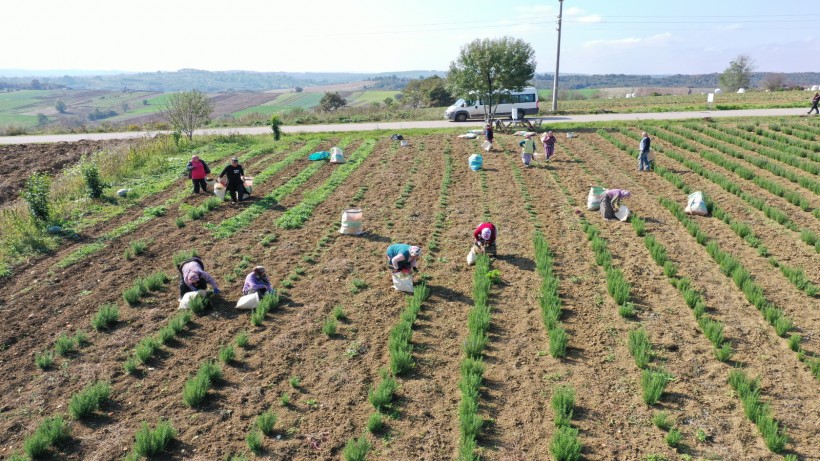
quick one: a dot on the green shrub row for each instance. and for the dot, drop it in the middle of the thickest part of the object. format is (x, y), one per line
(409, 185)
(795, 275)
(150, 442)
(443, 201)
(779, 137)
(266, 304)
(564, 445)
(472, 367)
(196, 388)
(51, 433)
(149, 346)
(232, 225)
(773, 213)
(142, 286)
(63, 346)
(748, 391)
(722, 141)
(731, 267)
(84, 403)
(398, 344)
(775, 188)
(296, 216)
(549, 299)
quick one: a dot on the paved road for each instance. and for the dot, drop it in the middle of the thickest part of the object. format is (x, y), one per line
(398, 126)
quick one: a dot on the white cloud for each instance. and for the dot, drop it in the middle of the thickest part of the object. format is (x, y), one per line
(589, 19)
(629, 41)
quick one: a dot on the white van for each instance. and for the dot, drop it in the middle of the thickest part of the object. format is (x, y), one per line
(526, 101)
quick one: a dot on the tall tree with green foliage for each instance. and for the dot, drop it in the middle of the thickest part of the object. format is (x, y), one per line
(487, 68)
(738, 74)
(331, 101)
(60, 106)
(36, 194)
(427, 92)
(187, 111)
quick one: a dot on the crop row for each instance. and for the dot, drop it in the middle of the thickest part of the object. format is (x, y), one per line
(773, 213)
(803, 147)
(795, 275)
(297, 215)
(733, 269)
(775, 188)
(719, 140)
(443, 200)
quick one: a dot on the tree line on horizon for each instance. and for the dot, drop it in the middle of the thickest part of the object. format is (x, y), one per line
(242, 81)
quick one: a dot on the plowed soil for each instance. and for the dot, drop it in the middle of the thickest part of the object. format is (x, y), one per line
(20, 161)
(330, 405)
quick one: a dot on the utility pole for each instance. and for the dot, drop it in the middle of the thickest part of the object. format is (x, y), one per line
(557, 58)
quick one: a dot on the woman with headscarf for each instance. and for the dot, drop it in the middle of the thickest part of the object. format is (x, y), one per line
(548, 139)
(197, 171)
(194, 277)
(485, 235)
(610, 200)
(403, 257)
(528, 149)
(257, 281)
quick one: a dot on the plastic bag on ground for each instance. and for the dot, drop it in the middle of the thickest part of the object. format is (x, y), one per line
(187, 297)
(403, 282)
(336, 155)
(323, 155)
(594, 197)
(696, 204)
(487, 145)
(248, 301)
(468, 136)
(473, 255)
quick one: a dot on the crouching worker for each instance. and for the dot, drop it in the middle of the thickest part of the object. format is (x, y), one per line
(610, 200)
(257, 282)
(236, 180)
(484, 236)
(402, 257)
(194, 277)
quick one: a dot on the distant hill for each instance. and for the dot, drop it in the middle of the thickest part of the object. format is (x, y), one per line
(240, 81)
(206, 81)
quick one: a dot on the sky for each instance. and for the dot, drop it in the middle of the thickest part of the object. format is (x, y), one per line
(598, 36)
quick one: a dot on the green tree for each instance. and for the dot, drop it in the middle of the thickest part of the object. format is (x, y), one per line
(331, 102)
(487, 68)
(427, 92)
(738, 74)
(42, 119)
(775, 82)
(60, 106)
(187, 111)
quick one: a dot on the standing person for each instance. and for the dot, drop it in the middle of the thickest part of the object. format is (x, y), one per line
(528, 150)
(814, 101)
(643, 147)
(403, 257)
(611, 199)
(548, 139)
(257, 281)
(488, 135)
(194, 277)
(485, 235)
(236, 179)
(197, 171)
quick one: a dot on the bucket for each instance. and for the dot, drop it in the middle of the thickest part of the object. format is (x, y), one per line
(209, 181)
(219, 191)
(351, 222)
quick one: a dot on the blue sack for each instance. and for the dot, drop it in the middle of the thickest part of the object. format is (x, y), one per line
(323, 155)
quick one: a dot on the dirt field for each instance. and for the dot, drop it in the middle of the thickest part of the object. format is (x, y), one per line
(20, 161)
(330, 405)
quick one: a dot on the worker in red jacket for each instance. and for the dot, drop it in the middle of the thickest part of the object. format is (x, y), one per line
(485, 235)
